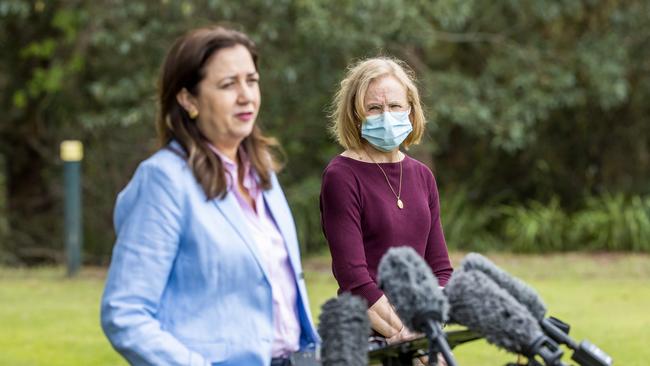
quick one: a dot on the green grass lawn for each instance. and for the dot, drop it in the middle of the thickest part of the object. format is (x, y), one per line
(46, 319)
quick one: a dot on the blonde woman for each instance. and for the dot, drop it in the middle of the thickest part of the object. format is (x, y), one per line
(373, 195)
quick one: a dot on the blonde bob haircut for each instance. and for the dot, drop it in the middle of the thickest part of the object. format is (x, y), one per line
(348, 112)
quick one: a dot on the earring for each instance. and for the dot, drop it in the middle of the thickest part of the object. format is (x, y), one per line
(194, 113)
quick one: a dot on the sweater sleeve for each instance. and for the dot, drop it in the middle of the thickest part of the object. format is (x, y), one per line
(436, 254)
(340, 205)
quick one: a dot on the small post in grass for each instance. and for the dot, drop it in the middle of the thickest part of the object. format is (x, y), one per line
(72, 154)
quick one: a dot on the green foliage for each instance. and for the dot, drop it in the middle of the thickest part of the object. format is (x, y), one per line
(535, 228)
(605, 223)
(304, 198)
(613, 222)
(608, 222)
(527, 99)
(543, 88)
(4, 224)
(466, 224)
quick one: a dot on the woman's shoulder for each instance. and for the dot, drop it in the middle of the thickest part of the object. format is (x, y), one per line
(343, 171)
(168, 156)
(338, 163)
(159, 180)
(165, 165)
(417, 164)
(341, 165)
(420, 167)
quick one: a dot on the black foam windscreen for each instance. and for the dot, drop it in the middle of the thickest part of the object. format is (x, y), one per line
(411, 288)
(525, 294)
(344, 328)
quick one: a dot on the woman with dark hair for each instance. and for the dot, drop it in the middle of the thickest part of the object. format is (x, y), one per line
(206, 267)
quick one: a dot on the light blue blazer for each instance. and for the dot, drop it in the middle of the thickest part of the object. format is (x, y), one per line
(186, 284)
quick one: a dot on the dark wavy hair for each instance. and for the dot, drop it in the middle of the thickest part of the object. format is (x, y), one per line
(184, 68)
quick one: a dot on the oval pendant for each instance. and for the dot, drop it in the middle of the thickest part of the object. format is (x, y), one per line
(400, 204)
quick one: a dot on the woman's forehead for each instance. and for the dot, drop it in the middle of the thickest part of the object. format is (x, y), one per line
(385, 89)
(229, 62)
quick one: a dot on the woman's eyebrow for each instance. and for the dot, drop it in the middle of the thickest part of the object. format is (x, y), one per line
(234, 76)
(226, 78)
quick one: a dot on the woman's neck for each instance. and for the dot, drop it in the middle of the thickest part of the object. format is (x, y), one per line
(379, 156)
(228, 150)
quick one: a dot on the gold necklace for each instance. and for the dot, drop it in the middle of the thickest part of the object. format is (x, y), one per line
(400, 204)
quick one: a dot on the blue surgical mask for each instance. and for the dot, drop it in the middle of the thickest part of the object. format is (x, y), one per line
(388, 130)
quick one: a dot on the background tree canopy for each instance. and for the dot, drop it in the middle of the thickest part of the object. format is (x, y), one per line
(538, 134)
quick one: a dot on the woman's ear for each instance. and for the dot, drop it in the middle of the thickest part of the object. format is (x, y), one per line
(188, 102)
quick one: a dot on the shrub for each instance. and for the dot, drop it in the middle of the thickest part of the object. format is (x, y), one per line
(304, 200)
(613, 222)
(535, 228)
(466, 225)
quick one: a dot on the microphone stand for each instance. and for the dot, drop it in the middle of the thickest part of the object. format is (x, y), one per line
(585, 353)
(402, 354)
(437, 338)
(547, 349)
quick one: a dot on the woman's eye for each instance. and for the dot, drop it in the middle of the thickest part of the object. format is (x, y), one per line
(227, 85)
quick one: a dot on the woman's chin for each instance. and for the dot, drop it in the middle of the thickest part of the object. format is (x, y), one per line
(244, 130)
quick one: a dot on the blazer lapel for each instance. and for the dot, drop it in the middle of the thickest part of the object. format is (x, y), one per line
(279, 209)
(229, 208)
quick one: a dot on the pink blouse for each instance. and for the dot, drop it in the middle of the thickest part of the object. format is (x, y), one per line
(271, 246)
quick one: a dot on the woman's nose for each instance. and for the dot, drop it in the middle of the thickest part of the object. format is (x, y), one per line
(245, 93)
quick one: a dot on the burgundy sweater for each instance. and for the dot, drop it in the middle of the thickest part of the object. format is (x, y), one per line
(361, 220)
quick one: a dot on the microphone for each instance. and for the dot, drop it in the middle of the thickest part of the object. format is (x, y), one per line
(344, 328)
(480, 304)
(523, 293)
(585, 353)
(413, 290)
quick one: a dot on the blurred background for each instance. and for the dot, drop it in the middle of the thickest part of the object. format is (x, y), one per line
(538, 134)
